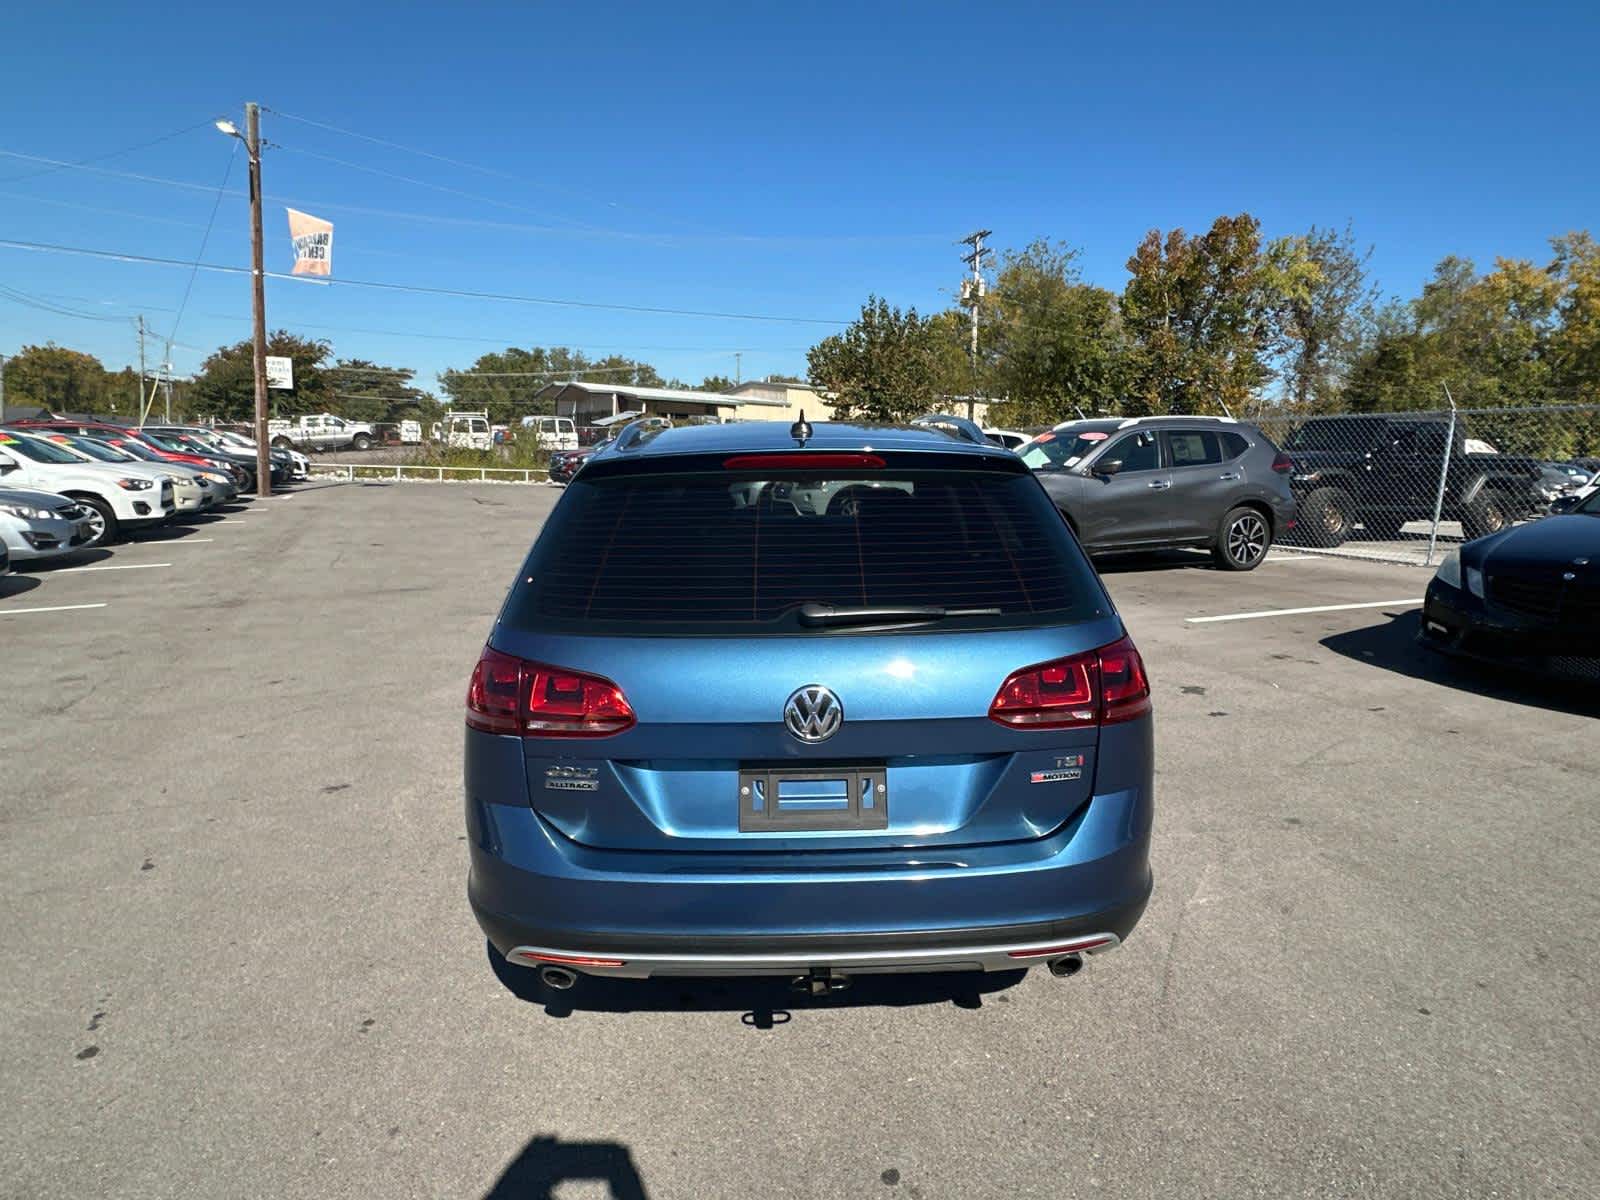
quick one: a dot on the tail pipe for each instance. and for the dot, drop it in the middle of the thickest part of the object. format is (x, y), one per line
(1066, 966)
(560, 978)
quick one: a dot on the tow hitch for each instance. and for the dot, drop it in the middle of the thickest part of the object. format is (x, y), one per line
(820, 981)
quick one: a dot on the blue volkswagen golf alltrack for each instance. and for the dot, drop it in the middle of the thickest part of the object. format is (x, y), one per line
(812, 701)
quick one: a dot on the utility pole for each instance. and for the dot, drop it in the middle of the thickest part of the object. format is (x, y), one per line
(252, 143)
(258, 290)
(972, 291)
(167, 381)
(139, 407)
(2, 387)
(738, 362)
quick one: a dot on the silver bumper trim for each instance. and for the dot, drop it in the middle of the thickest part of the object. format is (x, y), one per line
(985, 957)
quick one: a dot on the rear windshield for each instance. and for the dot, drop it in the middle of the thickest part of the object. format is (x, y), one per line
(711, 553)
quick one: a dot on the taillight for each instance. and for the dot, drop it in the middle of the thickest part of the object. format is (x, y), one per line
(509, 695)
(1124, 689)
(1282, 463)
(1099, 687)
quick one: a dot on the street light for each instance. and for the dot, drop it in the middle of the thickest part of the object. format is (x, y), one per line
(258, 284)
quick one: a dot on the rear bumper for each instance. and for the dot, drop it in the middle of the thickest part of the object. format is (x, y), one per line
(941, 908)
(1007, 948)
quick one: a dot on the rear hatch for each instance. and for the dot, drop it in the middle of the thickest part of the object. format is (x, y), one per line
(777, 655)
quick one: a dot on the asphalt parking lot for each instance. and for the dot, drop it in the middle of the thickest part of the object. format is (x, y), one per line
(239, 961)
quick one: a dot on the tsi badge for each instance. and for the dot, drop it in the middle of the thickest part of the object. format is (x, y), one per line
(1068, 767)
(572, 779)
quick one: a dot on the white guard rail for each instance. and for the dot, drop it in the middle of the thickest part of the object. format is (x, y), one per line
(422, 473)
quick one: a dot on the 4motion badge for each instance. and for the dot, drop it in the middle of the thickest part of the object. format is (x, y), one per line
(1068, 767)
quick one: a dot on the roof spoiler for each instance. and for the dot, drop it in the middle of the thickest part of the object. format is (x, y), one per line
(955, 426)
(635, 431)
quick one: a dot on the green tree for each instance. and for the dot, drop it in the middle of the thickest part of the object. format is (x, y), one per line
(370, 392)
(62, 380)
(1200, 316)
(1325, 303)
(225, 384)
(888, 365)
(1054, 345)
(1574, 346)
(507, 383)
(717, 383)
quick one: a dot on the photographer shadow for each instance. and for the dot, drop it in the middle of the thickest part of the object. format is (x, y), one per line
(546, 1162)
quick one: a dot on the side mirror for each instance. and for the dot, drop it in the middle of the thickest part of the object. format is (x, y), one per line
(1561, 505)
(1109, 467)
(7, 464)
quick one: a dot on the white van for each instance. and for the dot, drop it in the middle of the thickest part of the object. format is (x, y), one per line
(553, 433)
(465, 431)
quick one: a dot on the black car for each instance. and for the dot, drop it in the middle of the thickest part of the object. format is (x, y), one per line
(1383, 472)
(1153, 482)
(1527, 593)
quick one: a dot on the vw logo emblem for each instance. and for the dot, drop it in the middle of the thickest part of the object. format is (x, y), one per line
(813, 713)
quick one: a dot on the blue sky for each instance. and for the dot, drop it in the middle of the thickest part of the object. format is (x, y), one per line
(747, 159)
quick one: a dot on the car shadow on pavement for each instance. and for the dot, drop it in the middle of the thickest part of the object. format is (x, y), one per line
(547, 1162)
(1393, 646)
(1154, 560)
(762, 1002)
(180, 528)
(73, 558)
(12, 586)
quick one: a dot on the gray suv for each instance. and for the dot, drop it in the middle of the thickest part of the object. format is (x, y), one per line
(1151, 482)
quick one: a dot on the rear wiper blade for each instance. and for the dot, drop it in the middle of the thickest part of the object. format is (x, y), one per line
(822, 615)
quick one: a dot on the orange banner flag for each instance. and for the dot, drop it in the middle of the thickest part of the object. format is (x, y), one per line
(313, 243)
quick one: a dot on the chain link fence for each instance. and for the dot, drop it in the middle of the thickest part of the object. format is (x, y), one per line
(1405, 486)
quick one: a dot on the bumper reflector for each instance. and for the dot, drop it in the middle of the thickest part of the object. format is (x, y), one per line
(566, 960)
(1077, 947)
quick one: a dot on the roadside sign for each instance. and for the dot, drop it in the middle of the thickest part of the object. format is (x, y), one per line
(280, 373)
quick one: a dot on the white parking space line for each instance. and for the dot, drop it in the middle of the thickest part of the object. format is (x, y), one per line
(1297, 612)
(118, 567)
(14, 612)
(185, 541)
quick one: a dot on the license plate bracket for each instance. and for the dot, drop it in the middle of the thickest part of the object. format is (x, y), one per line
(842, 799)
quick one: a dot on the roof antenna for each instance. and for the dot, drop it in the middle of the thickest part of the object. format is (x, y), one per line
(800, 431)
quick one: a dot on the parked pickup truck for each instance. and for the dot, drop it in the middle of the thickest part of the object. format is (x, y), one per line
(1384, 471)
(321, 431)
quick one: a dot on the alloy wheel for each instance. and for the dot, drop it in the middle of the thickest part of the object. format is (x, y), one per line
(1247, 539)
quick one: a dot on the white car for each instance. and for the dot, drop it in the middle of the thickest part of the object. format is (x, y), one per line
(191, 489)
(41, 525)
(237, 443)
(119, 496)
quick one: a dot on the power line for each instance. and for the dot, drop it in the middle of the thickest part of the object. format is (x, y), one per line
(439, 187)
(83, 162)
(95, 208)
(419, 289)
(56, 162)
(183, 304)
(31, 301)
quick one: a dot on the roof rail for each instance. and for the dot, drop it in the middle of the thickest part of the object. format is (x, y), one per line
(1127, 421)
(956, 426)
(635, 431)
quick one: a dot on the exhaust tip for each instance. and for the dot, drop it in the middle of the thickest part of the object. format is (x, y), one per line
(562, 979)
(1066, 966)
